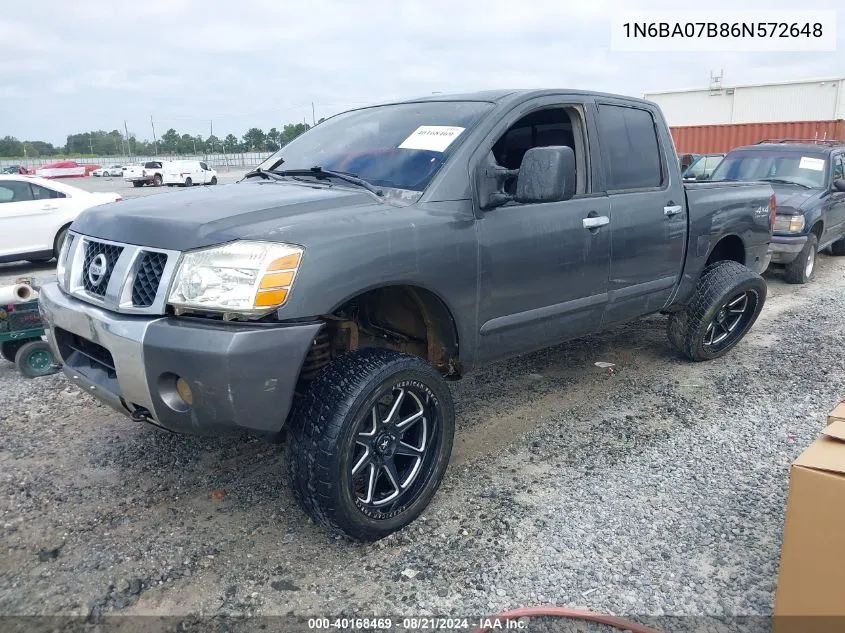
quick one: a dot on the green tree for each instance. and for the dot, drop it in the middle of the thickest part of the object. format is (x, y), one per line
(11, 147)
(292, 130)
(274, 138)
(231, 144)
(255, 139)
(213, 144)
(169, 141)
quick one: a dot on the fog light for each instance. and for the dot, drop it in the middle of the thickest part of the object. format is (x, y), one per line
(184, 391)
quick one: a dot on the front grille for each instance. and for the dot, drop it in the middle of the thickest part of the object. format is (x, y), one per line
(148, 278)
(92, 250)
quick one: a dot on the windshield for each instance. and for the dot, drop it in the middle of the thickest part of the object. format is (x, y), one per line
(395, 146)
(779, 166)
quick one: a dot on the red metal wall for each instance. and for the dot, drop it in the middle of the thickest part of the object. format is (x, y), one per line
(707, 139)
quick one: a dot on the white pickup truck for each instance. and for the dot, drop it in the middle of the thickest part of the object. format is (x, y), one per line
(150, 173)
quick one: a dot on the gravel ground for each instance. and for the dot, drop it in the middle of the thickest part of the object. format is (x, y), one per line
(656, 490)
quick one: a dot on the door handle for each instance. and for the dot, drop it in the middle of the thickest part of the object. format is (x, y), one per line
(49, 207)
(595, 222)
(675, 209)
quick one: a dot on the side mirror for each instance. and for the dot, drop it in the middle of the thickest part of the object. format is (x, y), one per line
(839, 184)
(547, 174)
(489, 183)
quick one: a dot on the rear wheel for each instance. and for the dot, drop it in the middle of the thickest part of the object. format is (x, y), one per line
(724, 306)
(35, 359)
(137, 183)
(188, 182)
(370, 441)
(800, 270)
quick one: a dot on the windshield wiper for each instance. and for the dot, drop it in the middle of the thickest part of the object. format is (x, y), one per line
(319, 172)
(784, 181)
(263, 173)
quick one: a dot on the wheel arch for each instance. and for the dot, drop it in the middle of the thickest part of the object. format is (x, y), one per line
(730, 247)
(410, 310)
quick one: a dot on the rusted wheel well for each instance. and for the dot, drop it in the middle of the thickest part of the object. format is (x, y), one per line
(729, 248)
(408, 319)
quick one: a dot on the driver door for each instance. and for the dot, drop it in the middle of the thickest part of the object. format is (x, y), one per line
(544, 273)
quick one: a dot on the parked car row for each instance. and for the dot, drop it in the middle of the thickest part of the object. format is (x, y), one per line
(179, 172)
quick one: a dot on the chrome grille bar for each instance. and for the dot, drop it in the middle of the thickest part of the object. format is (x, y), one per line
(118, 295)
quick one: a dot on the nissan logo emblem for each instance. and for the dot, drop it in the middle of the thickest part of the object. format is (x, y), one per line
(97, 269)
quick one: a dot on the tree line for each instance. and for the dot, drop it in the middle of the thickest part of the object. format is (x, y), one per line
(114, 143)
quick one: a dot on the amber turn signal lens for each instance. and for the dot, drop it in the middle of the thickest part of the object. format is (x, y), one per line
(270, 298)
(276, 280)
(288, 262)
(184, 391)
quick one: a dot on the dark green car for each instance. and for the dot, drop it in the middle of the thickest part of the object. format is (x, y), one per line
(809, 182)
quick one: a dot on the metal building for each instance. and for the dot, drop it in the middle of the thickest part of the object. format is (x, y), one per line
(718, 118)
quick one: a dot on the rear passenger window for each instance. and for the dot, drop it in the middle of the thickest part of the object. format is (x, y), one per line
(629, 139)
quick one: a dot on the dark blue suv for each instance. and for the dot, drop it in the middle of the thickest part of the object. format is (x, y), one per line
(809, 182)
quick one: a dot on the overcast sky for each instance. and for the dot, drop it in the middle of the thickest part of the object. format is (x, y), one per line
(74, 66)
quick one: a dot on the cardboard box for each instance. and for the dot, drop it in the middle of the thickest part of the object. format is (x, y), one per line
(838, 413)
(811, 581)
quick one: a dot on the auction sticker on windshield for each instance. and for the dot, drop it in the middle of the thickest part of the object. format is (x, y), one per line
(816, 164)
(435, 138)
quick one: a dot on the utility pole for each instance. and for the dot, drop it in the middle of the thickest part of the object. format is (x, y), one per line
(313, 115)
(128, 145)
(155, 142)
(91, 144)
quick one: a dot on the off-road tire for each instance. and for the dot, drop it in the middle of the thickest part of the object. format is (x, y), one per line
(838, 248)
(720, 284)
(796, 270)
(322, 440)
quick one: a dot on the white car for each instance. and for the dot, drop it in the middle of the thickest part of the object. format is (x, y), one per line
(114, 170)
(188, 172)
(35, 214)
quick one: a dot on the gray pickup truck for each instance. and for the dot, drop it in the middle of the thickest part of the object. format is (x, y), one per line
(334, 290)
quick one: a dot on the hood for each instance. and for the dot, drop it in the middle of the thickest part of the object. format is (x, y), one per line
(793, 196)
(205, 216)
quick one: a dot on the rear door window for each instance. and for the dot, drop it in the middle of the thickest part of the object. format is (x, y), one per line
(632, 151)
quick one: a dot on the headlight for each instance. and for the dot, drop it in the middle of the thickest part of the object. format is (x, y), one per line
(789, 223)
(242, 277)
(62, 263)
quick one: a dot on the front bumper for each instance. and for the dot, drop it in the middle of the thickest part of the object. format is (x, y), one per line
(242, 376)
(786, 248)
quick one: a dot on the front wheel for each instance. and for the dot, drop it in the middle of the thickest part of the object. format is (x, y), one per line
(214, 180)
(800, 270)
(61, 236)
(157, 180)
(725, 304)
(370, 441)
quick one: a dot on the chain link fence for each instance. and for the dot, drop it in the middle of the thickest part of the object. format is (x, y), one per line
(218, 161)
